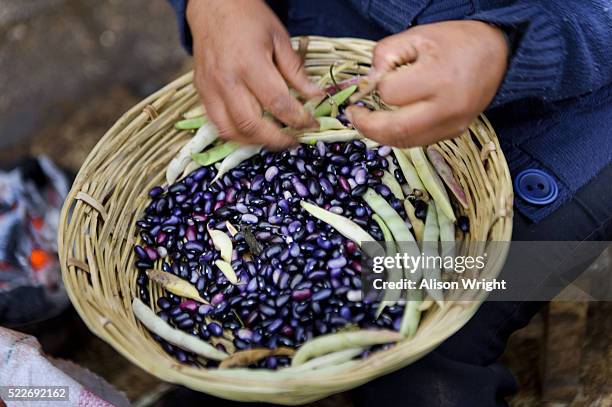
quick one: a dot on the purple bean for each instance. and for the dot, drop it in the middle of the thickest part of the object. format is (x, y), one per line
(249, 218)
(326, 186)
(299, 187)
(301, 295)
(271, 173)
(384, 151)
(155, 192)
(141, 253)
(337, 262)
(344, 183)
(215, 329)
(361, 176)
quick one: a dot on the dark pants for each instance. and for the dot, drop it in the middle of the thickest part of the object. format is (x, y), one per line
(464, 370)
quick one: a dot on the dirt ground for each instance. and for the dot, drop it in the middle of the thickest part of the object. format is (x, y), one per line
(126, 50)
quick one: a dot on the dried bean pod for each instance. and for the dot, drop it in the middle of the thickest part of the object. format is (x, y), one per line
(174, 336)
(345, 227)
(227, 270)
(250, 356)
(203, 138)
(331, 359)
(175, 285)
(446, 173)
(223, 243)
(325, 344)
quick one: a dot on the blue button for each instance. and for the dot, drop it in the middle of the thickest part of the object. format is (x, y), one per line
(536, 187)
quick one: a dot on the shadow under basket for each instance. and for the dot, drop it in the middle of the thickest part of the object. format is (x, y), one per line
(98, 234)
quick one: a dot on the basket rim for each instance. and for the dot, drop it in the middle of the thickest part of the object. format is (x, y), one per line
(107, 321)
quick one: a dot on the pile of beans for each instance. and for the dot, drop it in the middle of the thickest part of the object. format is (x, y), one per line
(298, 277)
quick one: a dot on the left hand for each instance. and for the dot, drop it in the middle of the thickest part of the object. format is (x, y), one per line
(455, 70)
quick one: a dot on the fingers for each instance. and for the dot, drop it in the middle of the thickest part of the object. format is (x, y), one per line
(290, 66)
(270, 89)
(392, 52)
(409, 84)
(237, 114)
(413, 125)
(247, 118)
(219, 115)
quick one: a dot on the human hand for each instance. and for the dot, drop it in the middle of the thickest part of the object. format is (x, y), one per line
(243, 63)
(455, 70)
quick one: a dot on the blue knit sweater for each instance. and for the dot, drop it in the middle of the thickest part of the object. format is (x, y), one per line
(554, 108)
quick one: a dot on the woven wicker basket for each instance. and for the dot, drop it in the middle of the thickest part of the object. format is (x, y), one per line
(97, 237)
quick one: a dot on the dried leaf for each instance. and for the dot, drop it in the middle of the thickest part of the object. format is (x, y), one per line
(254, 246)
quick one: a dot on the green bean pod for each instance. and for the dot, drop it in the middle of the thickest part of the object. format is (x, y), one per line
(432, 181)
(330, 123)
(191, 124)
(399, 228)
(447, 235)
(412, 313)
(346, 228)
(325, 344)
(325, 108)
(235, 158)
(329, 136)
(404, 239)
(175, 285)
(410, 173)
(417, 224)
(430, 248)
(393, 274)
(331, 359)
(385, 230)
(390, 181)
(216, 153)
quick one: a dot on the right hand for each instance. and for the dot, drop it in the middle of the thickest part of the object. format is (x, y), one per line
(243, 63)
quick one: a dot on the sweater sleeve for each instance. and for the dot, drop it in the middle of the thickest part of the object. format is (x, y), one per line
(180, 8)
(560, 48)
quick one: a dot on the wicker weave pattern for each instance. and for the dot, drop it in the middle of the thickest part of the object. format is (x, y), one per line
(97, 236)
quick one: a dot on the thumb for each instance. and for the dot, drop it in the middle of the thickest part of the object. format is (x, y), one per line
(291, 67)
